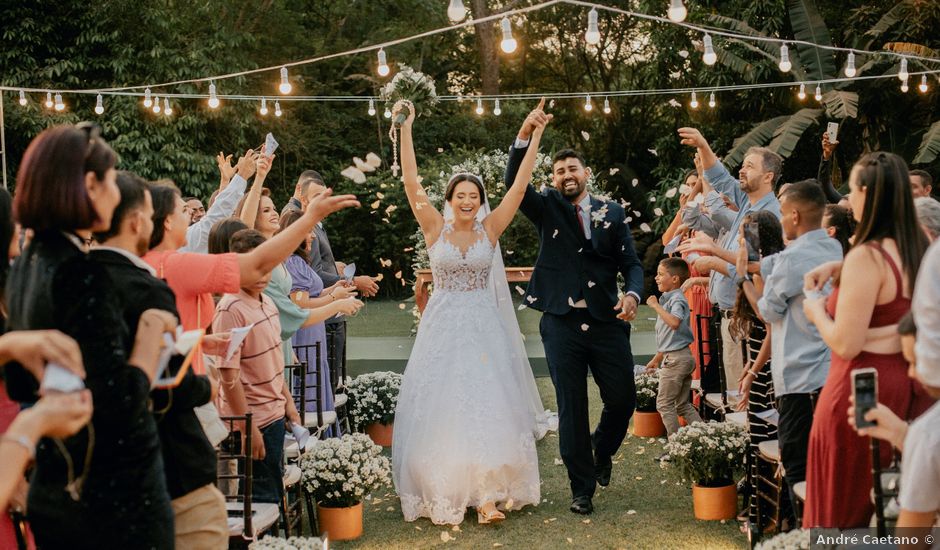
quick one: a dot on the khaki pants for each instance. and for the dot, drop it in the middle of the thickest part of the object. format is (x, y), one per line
(201, 520)
(731, 357)
(673, 398)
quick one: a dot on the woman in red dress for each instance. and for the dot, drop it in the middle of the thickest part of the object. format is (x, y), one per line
(859, 323)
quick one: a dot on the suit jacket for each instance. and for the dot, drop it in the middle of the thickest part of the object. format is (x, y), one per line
(570, 267)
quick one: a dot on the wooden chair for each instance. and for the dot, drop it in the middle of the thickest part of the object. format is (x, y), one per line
(799, 491)
(715, 404)
(338, 375)
(885, 489)
(708, 375)
(769, 486)
(317, 420)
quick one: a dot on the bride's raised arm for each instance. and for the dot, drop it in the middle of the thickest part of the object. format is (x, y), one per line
(502, 215)
(428, 217)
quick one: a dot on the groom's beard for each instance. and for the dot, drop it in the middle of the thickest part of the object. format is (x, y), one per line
(571, 188)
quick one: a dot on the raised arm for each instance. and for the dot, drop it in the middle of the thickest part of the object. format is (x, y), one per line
(717, 176)
(430, 220)
(824, 174)
(249, 213)
(531, 205)
(500, 218)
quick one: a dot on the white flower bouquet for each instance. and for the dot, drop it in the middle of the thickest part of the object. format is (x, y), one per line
(709, 454)
(791, 540)
(293, 543)
(373, 397)
(647, 387)
(340, 472)
(409, 85)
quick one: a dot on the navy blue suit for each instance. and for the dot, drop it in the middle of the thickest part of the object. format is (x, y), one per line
(570, 268)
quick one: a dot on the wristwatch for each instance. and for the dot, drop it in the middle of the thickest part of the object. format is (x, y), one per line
(742, 280)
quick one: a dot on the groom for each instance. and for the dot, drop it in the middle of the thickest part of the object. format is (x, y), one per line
(584, 243)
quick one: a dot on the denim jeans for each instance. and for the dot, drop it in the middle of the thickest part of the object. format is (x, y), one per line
(268, 483)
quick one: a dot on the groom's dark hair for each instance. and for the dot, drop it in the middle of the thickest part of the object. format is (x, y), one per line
(569, 154)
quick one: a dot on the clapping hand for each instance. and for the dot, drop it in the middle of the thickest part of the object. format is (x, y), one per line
(699, 242)
(349, 306)
(247, 164)
(367, 286)
(226, 170)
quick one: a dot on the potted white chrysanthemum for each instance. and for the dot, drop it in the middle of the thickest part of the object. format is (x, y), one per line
(710, 455)
(647, 421)
(339, 473)
(372, 401)
(292, 543)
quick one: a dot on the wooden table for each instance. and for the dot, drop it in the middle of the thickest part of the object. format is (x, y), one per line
(423, 280)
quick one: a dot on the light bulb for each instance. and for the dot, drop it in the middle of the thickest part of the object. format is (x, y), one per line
(479, 106)
(711, 100)
(802, 94)
(904, 86)
(606, 106)
(592, 35)
(213, 99)
(382, 69)
(923, 84)
(167, 110)
(371, 107)
(818, 96)
(509, 43)
(59, 106)
(850, 65)
(99, 105)
(785, 64)
(496, 109)
(49, 103)
(148, 102)
(284, 87)
(264, 107)
(388, 113)
(588, 106)
(156, 105)
(902, 73)
(694, 102)
(455, 11)
(22, 98)
(677, 11)
(277, 108)
(710, 56)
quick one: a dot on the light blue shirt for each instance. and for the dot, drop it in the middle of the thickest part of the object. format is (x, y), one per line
(667, 339)
(722, 289)
(800, 361)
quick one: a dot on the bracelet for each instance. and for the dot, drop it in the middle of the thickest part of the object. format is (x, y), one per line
(22, 441)
(332, 298)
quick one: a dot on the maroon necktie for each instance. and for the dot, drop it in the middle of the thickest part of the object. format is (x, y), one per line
(577, 214)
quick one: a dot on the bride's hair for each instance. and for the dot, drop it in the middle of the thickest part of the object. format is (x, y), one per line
(460, 178)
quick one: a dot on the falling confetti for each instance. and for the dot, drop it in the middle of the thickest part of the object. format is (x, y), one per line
(521, 307)
(391, 208)
(385, 263)
(510, 252)
(379, 277)
(455, 528)
(672, 192)
(373, 160)
(637, 213)
(531, 299)
(363, 166)
(409, 249)
(375, 205)
(658, 211)
(551, 104)
(586, 521)
(591, 284)
(613, 171)
(685, 189)
(380, 195)
(354, 174)
(418, 527)
(585, 135)
(570, 540)
(606, 225)
(635, 182)
(401, 306)
(646, 227)
(509, 504)
(683, 53)
(445, 536)
(559, 462)
(440, 149)
(653, 152)
(520, 290)
(653, 198)
(555, 234)
(570, 301)
(628, 220)
(585, 327)
(398, 274)
(631, 512)
(673, 103)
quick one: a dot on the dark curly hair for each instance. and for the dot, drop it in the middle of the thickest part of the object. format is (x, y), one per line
(841, 219)
(770, 233)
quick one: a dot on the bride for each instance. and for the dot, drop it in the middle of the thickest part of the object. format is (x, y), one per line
(469, 412)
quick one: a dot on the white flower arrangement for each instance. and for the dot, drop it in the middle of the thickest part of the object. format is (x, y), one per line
(410, 85)
(708, 454)
(647, 388)
(791, 540)
(293, 543)
(373, 397)
(340, 472)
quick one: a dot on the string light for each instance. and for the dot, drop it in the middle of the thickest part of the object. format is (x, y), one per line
(850, 65)
(785, 64)
(99, 105)
(285, 86)
(904, 86)
(22, 98)
(167, 110)
(694, 102)
(496, 110)
(455, 11)
(59, 106)
(710, 56)
(606, 106)
(818, 95)
(923, 84)
(388, 113)
(264, 107)
(509, 43)
(148, 102)
(677, 11)
(48, 102)
(277, 108)
(588, 106)
(593, 35)
(156, 105)
(371, 107)
(711, 100)
(902, 73)
(479, 106)
(802, 94)
(213, 99)
(382, 69)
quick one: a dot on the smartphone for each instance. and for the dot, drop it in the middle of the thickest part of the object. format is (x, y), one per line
(60, 379)
(833, 130)
(865, 392)
(752, 241)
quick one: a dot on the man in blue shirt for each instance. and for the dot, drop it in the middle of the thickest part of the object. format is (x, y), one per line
(799, 357)
(754, 191)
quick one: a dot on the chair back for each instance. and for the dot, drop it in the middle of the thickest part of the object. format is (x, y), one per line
(885, 487)
(236, 447)
(309, 356)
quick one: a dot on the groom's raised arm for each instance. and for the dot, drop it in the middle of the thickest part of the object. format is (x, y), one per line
(531, 204)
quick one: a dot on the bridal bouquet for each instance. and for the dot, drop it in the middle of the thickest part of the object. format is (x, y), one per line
(373, 397)
(293, 543)
(710, 453)
(409, 85)
(647, 387)
(340, 472)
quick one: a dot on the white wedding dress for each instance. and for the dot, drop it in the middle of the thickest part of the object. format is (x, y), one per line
(468, 412)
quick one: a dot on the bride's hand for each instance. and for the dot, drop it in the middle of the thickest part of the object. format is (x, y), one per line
(409, 122)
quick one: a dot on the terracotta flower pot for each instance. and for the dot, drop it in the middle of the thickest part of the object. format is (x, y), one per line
(648, 424)
(340, 523)
(381, 434)
(715, 502)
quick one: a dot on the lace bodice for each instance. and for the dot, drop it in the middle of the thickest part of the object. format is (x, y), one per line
(455, 271)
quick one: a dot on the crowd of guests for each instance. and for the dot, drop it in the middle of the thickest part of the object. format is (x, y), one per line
(102, 265)
(804, 286)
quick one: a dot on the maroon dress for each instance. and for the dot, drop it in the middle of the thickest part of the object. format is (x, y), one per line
(838, 470)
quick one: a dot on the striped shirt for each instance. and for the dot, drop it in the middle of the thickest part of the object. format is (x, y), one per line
(259, 357)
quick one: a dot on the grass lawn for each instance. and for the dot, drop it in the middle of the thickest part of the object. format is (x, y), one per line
(644, 507)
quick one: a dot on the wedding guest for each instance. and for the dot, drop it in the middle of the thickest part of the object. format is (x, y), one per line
(196, 209)
(928, 214)
(673, 359)
(103, 487)
(824, 174)
(753, 192)
(840, 225)
(858, 322)
(188, 457)
(921, 183)
(221, 235)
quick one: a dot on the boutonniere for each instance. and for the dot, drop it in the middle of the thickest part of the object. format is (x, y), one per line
(598, 217)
